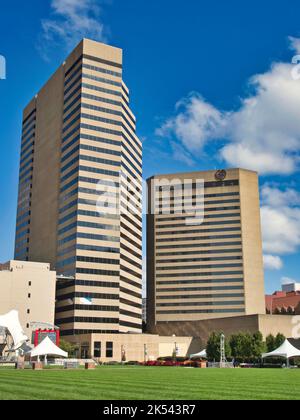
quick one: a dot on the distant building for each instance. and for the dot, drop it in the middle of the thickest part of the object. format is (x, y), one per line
(286, 302)
(28, 288)
(291, 287)
(206, 270)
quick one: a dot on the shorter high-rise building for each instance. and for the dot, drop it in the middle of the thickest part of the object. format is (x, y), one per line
(204, 245)
(28, 288)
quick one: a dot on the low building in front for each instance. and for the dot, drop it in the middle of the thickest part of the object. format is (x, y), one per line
(29, 288)
(133, 347)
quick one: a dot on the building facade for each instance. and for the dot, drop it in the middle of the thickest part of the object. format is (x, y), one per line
(28, 288)
(79, 205)
(204, 247)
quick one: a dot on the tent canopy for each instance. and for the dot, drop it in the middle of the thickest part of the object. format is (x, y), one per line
(286, 350)
(201, 354)
(47, 348)
(11, 322)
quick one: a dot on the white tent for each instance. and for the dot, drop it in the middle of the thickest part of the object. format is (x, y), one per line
(11, 322)
(47, 348)
(286, 350)
(202, 355)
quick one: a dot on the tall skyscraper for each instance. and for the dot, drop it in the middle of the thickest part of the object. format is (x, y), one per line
(80, 190)
(204, 246)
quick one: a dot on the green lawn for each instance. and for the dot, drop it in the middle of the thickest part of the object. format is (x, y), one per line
(139, 383)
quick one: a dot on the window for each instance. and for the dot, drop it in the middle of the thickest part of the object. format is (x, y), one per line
(29, 295)
(29, 283)
(28, 311)
(109, 349)
(97, 349)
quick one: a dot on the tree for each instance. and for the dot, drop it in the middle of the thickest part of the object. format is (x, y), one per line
(213, 347)
(68, 347)
(279, 340)
(258, 345)
(271, 343)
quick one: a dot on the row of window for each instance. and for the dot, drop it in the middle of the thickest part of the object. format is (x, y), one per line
(194, 186)
(196, 267)
(206, 251)
(198, 281)
(74, 295)
(198, 238)
(88, 225)
(196, 289)
(200, 245)
(88, 236)
(87, 283)
(87, 308)
(187, 203)
(224, 303)
(196, 231)
(94, 272)
(206, 311)
(90, 170)
(87, 320)
(205, 274)
(215, 223)
(194, 197)
(190, 260)
(214, 296)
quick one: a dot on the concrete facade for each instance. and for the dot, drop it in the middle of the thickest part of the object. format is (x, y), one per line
(287, 325)
(135, 347)
(206, 270)
(79, 205)
(28, 288)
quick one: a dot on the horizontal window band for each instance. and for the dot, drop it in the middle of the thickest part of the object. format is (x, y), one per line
(194, 186)
(196, 289)
(73, 295)
(199, 238)
(197, 231)
(68, 333)
(87, 283)
(87, 320)
(131, 282)
(130, 324)
(130, 293)
(95, 272)
(203, 274)
(196, 267)
(214, 303)
(130, 314)
(129, 303)
(209, 281)
(191, 260)
(206, 311)
(188, 297)
(77, 307)
(199, 245)
(206, 251)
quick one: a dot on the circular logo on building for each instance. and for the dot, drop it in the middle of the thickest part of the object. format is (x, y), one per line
(221, 175)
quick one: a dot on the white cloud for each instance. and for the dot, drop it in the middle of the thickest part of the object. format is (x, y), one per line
(263, 134)
(288, 280)
(72, 20)
(280, 214)
(295, 44)
(272, 262)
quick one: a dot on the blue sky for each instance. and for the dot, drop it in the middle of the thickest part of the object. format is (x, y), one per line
(211, 85)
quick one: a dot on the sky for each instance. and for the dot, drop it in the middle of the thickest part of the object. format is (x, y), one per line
(213, 84)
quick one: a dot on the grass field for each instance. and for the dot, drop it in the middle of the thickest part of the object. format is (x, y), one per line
(139, 383)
